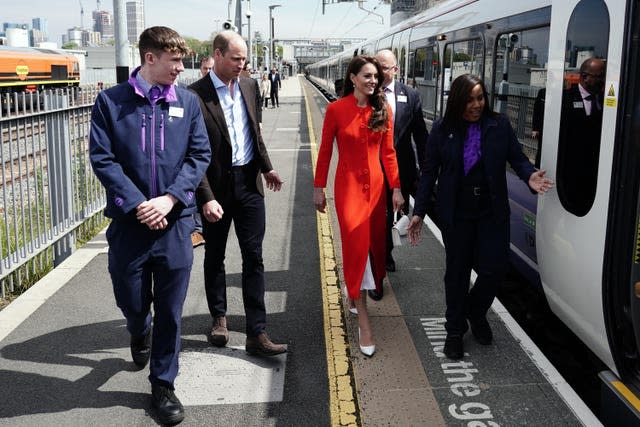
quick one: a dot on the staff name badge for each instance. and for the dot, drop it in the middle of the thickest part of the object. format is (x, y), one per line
(402, 98)
(176, 112)
(578, 104)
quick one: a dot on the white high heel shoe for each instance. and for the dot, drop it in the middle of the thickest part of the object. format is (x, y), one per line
(367, 350)
(352, 310)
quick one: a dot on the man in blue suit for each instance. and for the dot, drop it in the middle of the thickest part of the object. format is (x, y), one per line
(409, 140)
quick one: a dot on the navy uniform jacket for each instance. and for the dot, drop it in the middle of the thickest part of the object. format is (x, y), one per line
(407, 123)
(444, 163)
(139, 151)
(578, 153)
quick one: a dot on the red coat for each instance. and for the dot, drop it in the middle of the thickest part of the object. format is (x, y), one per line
(360, 195)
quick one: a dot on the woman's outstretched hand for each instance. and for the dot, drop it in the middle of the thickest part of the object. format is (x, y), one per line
(539, 183)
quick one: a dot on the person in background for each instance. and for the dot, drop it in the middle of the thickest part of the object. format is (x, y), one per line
(409, 140)
(361, 124)
(276, 84)
(206, 65)
(466, 154)
(149, 148)
(579, 138)
(265, 89)
(246, 72)
(232, 191)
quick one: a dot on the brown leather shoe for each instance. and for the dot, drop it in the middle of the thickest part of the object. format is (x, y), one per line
(262, 346)
(196, 239)
(219, 335)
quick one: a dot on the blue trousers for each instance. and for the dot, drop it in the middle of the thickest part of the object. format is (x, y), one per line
(481, 243)
(247, 211)
(153, 267)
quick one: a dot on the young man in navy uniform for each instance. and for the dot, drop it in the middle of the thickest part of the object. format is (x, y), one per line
(149, 148)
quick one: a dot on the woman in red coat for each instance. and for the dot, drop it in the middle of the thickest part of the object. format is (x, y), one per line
(361, 124)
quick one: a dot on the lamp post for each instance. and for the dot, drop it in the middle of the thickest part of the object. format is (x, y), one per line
(248, 15)
(272, 53)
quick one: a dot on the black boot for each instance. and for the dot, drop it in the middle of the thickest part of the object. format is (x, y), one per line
(141, 350)
(453, 347)
(481, 330)
(168, 408)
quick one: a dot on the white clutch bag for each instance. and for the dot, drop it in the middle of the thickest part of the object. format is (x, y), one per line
(399, 230)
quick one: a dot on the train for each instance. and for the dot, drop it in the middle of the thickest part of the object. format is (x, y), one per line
(585, 259)
(28, 70)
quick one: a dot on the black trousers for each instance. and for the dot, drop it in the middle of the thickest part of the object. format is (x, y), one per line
(274, 98)
(478, 242)
(247, 211)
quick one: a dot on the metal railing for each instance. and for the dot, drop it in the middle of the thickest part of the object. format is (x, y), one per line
(50, 197)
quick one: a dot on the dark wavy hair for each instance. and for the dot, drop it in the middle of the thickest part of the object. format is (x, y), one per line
(459, 97)
(380, 116)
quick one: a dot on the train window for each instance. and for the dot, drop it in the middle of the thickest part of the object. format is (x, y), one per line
(581, 113)
(385, 43)
(460, 57)
(521, 78)
(424, 77)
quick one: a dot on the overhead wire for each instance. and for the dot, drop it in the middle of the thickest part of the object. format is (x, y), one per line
(363, 19)
(313, 21)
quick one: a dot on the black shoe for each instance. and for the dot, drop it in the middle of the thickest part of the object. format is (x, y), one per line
(141, 350)
(168, 408)
(481, 330)
(390, 264)
(453, 347)
(375, 295)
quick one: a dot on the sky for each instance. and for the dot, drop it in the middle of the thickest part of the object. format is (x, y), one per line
(199, 18)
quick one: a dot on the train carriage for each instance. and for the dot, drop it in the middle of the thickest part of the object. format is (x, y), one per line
(32, 69)
(580, 242)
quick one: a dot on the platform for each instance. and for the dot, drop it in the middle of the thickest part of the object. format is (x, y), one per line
(64, 357)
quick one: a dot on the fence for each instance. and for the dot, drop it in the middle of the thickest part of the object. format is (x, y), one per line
(50, 197)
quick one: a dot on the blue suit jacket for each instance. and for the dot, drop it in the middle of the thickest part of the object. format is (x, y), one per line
(408, 123)
(444, 163)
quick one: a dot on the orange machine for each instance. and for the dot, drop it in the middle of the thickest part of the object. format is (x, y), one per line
(32, 69)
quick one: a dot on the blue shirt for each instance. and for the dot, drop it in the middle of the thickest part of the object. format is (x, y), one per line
(237, 120)
(146, 86)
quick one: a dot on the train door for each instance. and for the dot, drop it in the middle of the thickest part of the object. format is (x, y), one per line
(519, 82)
(621, 277)
(581, 110)
(400, 41)
(424, 74)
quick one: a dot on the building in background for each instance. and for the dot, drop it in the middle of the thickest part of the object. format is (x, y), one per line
(135, 20)
(74, 35)
(17, 36)
(42, 25)
(91, 38)
(103, 24)
(36, 37)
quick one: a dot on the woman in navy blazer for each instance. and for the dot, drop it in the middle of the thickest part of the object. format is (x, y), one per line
(466, 153)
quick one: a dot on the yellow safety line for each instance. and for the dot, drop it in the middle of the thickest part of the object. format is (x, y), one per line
(628, 394)
(342, 402)
(37, 82)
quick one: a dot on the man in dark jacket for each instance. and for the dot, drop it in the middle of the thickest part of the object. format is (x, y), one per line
(149, 148)
(409, 140)
(232, 191)
(274, 77)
